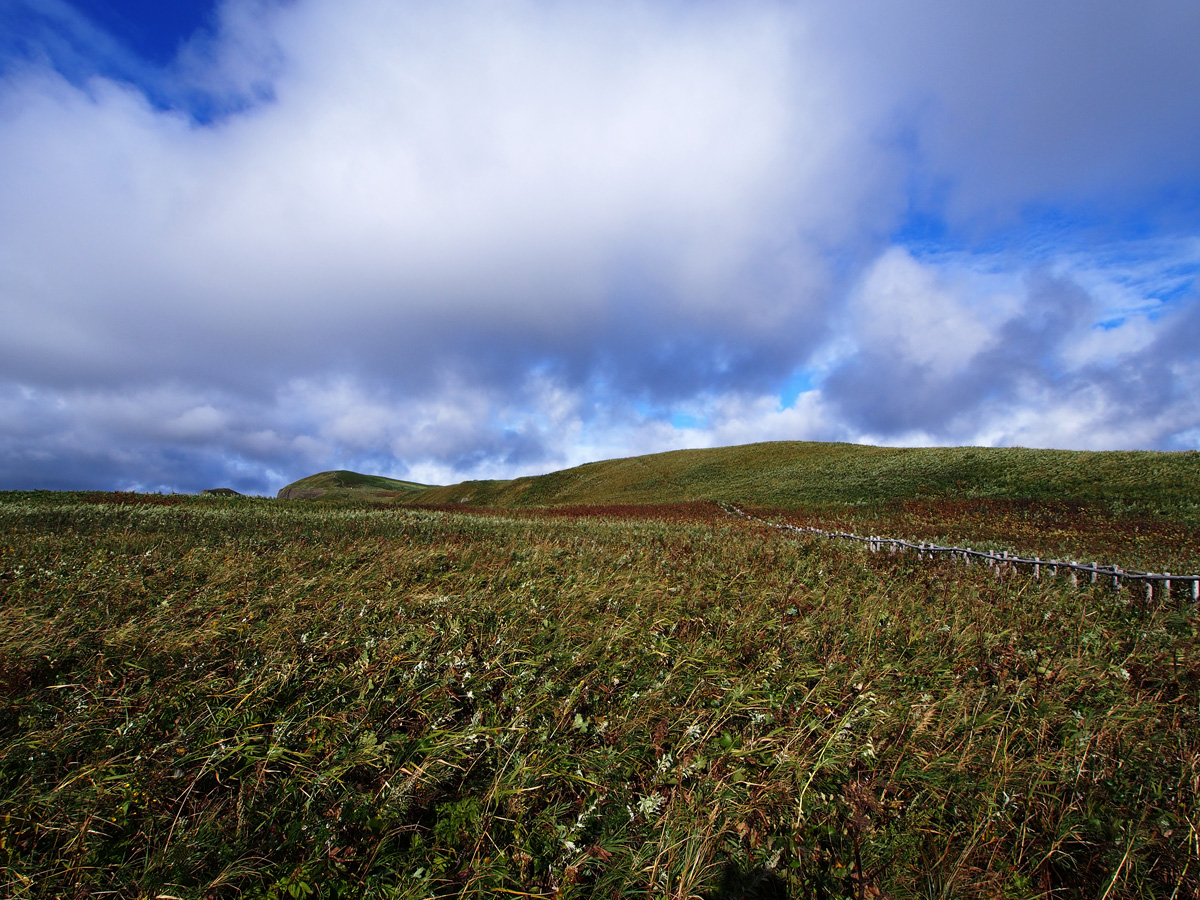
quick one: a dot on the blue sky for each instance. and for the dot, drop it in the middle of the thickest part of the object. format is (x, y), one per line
(152, 31)
(241, 242)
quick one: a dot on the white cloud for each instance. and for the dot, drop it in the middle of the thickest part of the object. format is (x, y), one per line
(198, 423)
(497, 168)
(932, 358)
(907, 309)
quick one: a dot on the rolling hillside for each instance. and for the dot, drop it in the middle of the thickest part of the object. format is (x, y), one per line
(344, 485)
(799, 474)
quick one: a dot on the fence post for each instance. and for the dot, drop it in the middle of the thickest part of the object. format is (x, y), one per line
(1093, 571)
(1167, 587)
(1037, 568)
(1074, 574)
(1195, 590)
(1149, 590)
(1116, 578)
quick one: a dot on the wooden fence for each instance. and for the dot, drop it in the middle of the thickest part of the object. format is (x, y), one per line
(1003, 562)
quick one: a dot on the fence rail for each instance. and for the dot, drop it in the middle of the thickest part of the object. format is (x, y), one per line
(1003, 561)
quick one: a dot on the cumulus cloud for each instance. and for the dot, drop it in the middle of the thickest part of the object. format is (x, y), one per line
(491, 238)
(1047, 370)
(532, 174)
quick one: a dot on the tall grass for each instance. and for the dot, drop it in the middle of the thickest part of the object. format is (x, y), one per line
(210, 698)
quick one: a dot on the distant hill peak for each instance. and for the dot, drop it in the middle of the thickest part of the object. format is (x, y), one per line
(344, 484)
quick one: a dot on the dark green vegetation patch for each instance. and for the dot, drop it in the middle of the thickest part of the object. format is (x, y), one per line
(269, 700)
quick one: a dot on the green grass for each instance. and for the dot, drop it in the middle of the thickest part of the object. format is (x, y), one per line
(247, 698)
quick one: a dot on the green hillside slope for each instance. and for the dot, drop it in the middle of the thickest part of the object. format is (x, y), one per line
(345, 485)
(801, 474)
(795, 474)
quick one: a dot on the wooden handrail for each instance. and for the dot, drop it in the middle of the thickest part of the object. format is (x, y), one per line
(1095, 570)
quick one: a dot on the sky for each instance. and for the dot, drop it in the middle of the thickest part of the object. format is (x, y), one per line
(249, 240)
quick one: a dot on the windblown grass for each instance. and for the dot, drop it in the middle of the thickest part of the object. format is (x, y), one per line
(247, 698)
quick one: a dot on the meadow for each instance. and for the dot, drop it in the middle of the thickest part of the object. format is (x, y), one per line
(255, 698)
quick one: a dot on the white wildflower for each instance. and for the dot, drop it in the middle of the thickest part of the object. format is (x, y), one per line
(649, 805)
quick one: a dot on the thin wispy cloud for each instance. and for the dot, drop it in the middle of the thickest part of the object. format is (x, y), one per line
(486, 239)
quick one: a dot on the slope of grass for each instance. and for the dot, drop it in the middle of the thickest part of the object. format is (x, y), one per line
(261, 699)
(808, 475)
(346, 485)
(796, 474)
(1139, 510)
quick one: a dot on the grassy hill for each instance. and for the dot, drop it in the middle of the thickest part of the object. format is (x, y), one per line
(805, 475)
(345, 485)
